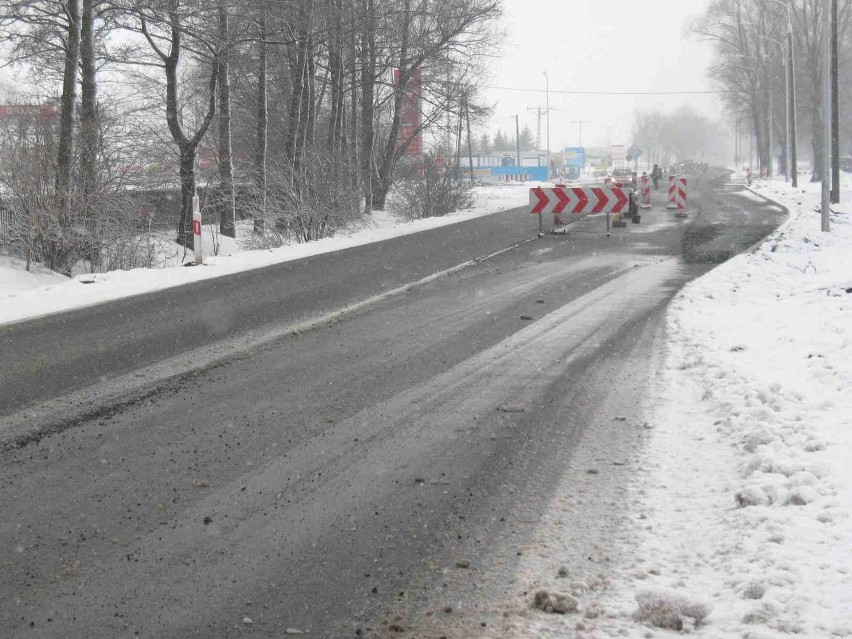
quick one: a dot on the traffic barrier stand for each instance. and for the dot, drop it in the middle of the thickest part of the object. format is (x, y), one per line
(196, 230)
(680, 197)
(645, 203)
(672, 192)
(575, 203)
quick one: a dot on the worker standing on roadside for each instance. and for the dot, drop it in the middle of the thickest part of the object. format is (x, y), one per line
(656, 176)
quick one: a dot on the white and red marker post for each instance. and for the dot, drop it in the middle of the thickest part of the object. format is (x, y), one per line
(672, 192)
(196, 229)
(645, 203)
(680, 196)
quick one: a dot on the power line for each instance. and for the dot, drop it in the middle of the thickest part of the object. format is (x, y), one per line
(610, 92)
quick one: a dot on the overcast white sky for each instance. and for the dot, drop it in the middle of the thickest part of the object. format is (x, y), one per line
(598, 45)
(594, 45)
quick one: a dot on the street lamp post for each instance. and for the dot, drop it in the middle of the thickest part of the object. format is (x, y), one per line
(835, 108)
(771, 119)
(580, 123)
(792, 143)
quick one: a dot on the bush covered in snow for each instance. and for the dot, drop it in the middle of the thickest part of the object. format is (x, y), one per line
(555, 602)
(669, 609)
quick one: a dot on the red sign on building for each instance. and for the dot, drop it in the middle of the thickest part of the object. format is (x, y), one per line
(411, 118)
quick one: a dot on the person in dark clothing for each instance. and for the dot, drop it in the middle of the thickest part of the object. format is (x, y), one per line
(633, 207)
(656, 176)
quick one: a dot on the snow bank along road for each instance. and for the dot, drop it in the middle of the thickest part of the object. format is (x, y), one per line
(344, 480)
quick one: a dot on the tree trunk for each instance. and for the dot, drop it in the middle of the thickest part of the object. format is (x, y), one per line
(335, 64)
(301, 108)
(368, 78)
(352, 125)
(187, 192)
(65, 151)
(187, 146)
(227, 220)
(262, 143)
(816, 146)
(89, 116)
(384, 177)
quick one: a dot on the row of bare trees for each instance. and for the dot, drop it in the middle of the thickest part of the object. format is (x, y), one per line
(301, 97)
(683, 134)
(749, 37)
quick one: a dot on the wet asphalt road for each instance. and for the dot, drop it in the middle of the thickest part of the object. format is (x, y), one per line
(329, 482)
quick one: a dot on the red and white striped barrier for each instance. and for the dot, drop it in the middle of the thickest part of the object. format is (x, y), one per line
(578, 201)
(680, 193)
(196, 229)
(645, 183)
(672, 192)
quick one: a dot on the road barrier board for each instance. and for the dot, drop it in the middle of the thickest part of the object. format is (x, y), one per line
(578, 200)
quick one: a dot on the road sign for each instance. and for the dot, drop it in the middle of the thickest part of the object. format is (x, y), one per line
(633, 152)
(574, 157)
(619, 156)
(578, 201)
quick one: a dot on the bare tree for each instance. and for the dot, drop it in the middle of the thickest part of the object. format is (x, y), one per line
(453, 34)
(227, 218)
(165, 25)
(89, 137)
(67, 124)
(748, 35)
(262, 140)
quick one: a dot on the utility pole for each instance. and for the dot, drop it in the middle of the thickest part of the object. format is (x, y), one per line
(547, 102)
(469, 141)
(792, 144)
(825, 159)
(517, 140)
(539, 111)
(835, 111)
(581, 123)
(787, 144)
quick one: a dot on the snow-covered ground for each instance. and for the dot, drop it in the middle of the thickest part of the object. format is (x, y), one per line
(23, 296)
(15, 278)
(742, 498)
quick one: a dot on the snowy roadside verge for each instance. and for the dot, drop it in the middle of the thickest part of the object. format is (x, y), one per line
(744, 499)
(30, 298)
(742, 493)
